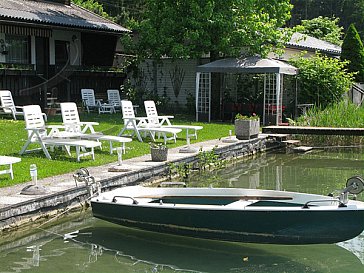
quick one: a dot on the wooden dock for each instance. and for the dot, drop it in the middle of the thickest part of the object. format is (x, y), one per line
(306, 130)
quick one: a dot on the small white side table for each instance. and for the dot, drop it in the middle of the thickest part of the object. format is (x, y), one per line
(8, 160)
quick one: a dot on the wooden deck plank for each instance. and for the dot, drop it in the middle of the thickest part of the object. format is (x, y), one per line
(308, 130)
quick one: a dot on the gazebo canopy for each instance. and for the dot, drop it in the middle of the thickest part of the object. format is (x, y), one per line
(273, 71)
(254, 65)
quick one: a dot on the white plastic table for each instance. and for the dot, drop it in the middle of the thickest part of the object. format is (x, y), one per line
(8, 160)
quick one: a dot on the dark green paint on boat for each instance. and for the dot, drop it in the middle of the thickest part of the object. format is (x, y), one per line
(263, 226)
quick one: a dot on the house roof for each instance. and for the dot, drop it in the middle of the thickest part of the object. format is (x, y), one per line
(55, 14)
(254, 64)
(303, 41)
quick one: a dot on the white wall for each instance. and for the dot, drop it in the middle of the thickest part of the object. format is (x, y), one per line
(290, 53)
(188, 67)
(75, 46)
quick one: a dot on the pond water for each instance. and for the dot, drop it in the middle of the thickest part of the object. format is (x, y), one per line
(85, 244)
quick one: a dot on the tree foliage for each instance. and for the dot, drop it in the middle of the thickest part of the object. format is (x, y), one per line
(322, 80)
(94, 6)
(349, 11)
(123, 10)
(190, 28)
(352, 50)
(323, 28)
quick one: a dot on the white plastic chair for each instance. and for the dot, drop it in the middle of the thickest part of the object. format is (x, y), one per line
(113, 98)
(7, 105)
(73, 125)
(164, 121)
(71, 119)
(140, 124)
(38, 133)
(89, 101)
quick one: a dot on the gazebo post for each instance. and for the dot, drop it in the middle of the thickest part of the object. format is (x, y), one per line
(197, 92)
(264, 87)
(278, 96)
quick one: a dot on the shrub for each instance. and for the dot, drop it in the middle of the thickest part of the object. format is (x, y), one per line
(322, 80)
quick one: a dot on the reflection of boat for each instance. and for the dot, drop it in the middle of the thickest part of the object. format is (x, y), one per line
(232, 214)
(355, 246)
(174, 253)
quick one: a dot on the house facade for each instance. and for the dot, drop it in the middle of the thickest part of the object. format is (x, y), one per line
(55, 48)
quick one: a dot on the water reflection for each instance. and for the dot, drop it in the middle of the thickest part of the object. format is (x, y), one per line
(316, 172)
(91, 245)
(164, 253)
(85, 244)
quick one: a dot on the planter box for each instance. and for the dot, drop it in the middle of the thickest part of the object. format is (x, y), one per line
(246, 129)
(159, 154)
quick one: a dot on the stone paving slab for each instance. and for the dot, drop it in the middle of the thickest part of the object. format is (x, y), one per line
(101, 172)
(65, 181)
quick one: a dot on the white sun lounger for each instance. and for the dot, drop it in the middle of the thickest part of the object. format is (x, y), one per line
(164, 121)
(8, 160)
(38, 133)
(7, 105)
(74, 128)
(140, 125)
(90, 102)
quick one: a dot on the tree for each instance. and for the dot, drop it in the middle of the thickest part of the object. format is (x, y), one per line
(349, 11)
(123, 10)
(322, 80)
(352, 50)
(94, 6)
(323, 28)
(190, 28)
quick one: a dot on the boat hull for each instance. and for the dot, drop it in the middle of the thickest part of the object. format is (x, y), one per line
(304, 226)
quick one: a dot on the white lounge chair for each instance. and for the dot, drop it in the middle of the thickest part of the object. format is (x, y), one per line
(113, 98)
(7, 105)
(8, 161)
(75, 128)
(164, 121)
(89, 101)
(140, 124)
(38, 133)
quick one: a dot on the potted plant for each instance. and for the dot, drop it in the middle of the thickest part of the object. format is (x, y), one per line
(246, 127)
(158, 151)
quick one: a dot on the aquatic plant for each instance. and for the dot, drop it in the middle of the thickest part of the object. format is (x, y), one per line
(342, 115)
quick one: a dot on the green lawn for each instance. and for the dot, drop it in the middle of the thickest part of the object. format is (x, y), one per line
(13, 136)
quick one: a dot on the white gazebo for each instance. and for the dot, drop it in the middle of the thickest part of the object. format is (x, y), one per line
(273, 82)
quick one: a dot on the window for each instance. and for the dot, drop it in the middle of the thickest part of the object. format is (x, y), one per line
(18, 49)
